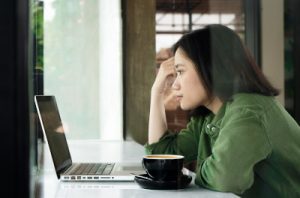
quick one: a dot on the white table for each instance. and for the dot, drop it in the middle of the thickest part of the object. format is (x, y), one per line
(112, 151)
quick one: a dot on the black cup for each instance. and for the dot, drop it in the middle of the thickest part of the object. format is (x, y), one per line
(163, 167)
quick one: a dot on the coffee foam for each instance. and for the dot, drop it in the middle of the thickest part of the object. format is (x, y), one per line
(163, 156)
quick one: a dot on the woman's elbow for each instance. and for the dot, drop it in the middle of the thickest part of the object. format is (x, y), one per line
(224, 183)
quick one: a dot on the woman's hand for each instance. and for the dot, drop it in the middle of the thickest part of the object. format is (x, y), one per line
(164, 77)
(157, 116)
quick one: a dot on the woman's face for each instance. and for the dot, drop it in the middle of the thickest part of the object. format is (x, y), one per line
(187, 86)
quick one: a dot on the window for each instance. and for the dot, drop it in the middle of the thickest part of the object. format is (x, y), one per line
(83, 66)
(176, 17)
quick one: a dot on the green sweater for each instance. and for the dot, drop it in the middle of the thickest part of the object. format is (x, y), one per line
(251, 148)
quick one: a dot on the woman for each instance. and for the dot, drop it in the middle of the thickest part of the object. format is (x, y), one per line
(244, 141)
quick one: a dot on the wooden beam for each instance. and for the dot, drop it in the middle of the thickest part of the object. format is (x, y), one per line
(139, 66)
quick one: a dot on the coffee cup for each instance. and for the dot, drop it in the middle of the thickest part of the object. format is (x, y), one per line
(163, 167)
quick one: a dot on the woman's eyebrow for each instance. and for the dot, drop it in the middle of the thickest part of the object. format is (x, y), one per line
(178, 65)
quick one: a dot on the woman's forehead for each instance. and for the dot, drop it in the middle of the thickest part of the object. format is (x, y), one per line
(180, 57)
(180, 54)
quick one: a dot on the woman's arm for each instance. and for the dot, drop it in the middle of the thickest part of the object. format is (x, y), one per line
(157, 117)
(242, 143)
(183, 143)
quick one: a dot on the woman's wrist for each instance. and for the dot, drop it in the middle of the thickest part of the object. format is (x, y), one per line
(157, 91)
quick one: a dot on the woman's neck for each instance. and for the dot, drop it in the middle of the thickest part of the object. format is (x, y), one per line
(214, 105)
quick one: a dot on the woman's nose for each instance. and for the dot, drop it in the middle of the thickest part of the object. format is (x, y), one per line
(175, 84)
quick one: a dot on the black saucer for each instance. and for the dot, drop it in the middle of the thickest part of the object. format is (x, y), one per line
(146, 182)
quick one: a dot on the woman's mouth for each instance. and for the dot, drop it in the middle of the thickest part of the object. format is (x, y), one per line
(178, 98)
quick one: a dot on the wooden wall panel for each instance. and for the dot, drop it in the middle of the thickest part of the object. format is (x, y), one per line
(139, 66)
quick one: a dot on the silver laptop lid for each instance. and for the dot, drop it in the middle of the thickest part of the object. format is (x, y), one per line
(54, 132)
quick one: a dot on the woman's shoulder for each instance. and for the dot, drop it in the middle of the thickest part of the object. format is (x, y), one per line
(249, 102)
(251, 99)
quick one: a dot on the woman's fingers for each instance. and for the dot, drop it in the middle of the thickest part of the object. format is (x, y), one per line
(167, 68)
(165, 72)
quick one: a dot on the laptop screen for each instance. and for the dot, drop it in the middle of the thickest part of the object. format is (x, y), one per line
(53, 129)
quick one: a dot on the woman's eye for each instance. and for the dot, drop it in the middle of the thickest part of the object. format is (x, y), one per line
(178, 72)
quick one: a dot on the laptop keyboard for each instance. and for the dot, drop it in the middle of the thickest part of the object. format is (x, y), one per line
(93, 169)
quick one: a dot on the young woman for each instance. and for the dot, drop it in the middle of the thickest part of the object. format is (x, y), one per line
(244, 141)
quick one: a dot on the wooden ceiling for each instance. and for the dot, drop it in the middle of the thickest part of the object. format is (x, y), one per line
(199, 6)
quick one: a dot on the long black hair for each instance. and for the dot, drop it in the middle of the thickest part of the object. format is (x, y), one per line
(224, 64)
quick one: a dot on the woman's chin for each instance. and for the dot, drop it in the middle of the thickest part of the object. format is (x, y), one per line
(184, 107)
(188, 107)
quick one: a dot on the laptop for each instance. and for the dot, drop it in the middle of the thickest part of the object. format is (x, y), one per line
(66, 170)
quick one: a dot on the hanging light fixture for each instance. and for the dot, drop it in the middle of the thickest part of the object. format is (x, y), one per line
(173, 14)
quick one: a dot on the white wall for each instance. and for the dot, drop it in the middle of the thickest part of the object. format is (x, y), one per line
(272, 26)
